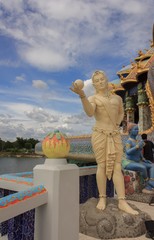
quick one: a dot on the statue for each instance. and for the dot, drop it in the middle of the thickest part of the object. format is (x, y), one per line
(107, 110)
(135, 161)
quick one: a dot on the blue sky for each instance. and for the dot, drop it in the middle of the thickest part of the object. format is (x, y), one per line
(45, 45)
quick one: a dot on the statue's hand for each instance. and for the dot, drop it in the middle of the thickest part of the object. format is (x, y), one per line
(141, 144)
(147, 161)
(77, 89)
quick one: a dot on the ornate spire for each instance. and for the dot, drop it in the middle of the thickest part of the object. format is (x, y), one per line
(153, 35)
(140, 53)
(152, 42)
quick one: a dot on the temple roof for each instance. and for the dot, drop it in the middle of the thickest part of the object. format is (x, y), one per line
(124, 70)
(137, 71)
(115, 86)
(130, 74)
(140, 65)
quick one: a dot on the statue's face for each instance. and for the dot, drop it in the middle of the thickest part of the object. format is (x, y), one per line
(134, 131)
(100, 81)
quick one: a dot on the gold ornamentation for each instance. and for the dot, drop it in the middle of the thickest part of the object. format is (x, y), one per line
(121, 198)
(102, 196)
(128, 146)
(151, 101)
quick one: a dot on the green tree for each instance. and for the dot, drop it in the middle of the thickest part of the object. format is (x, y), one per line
(28, 146)
(20, 142)
(2, 144)
(32, 141)
(8, 145)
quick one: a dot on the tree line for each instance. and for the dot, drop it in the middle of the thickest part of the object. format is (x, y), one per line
(20, 144)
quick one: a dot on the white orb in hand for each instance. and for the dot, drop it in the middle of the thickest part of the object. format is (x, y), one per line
(79, 83)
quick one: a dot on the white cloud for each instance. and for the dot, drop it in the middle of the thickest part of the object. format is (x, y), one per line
(41, 115)
(88, 88)
(20, 78)
(81, 119)
(25, 120)
(50, 37)
(13, 6)
(51, 59)
(8, 63)
(39, 84)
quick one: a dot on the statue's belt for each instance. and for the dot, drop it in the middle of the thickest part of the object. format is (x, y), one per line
(106, 132)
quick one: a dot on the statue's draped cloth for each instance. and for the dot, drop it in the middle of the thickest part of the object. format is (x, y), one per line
(107, 148)
(107, 145)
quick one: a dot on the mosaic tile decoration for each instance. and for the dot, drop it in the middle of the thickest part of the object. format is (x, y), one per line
(19, 227)
(4, 225)
(22, 195)
(133, 182)
(23, 174)
(18, 178)
(22, 226)
(82, 144)
(81, 147)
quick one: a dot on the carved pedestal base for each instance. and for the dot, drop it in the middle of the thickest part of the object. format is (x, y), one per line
(111, 223)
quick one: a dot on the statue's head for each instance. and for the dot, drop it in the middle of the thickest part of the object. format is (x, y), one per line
(99, 80)
(132, 129)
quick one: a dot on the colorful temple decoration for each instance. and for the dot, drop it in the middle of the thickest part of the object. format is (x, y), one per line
(55, 145)
(136, 90)
(25, 178)
(22, 195)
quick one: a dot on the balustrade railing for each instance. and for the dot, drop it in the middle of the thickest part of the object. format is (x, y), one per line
(17, 209)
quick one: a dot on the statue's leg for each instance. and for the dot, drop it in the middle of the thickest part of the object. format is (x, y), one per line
(149, 185)
(101, 184)
(99, 147)
(148, 165)
(118, 181)
(151, 180)
(138, 167)
(151, 170)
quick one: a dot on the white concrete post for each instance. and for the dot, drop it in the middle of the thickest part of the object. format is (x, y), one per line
(59, 218)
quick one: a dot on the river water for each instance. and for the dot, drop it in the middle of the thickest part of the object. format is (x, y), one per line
(16, 165)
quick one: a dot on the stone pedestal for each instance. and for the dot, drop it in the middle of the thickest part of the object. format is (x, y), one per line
(111, 223)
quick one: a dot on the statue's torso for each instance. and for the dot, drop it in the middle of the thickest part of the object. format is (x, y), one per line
(106, 119)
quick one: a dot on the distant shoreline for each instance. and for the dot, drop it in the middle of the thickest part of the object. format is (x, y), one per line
(20, 155)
